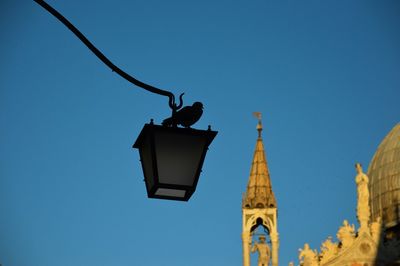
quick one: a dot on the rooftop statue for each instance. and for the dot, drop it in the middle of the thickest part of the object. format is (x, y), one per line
(307, 256)
(263, 251)
(363, 211)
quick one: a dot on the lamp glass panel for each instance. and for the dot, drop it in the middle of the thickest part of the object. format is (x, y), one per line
(168, 192)
(147, 162)
(178, 157)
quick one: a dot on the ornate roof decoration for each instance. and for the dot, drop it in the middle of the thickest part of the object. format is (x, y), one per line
(377, 240)
(364, 246)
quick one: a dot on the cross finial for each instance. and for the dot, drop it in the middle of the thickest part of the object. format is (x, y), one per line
(259, 125)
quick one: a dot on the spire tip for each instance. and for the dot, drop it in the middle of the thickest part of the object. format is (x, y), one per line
(259, 125)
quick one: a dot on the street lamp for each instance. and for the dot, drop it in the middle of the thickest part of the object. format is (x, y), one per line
(171, 157)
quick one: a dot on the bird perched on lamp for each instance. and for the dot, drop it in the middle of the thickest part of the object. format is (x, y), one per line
(186, 116)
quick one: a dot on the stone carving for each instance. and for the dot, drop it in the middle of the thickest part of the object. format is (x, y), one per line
(376, 229)
(307, 256)
(363, 211)
(263, 250)
(329, 249)
(346, 234)
(365, 248)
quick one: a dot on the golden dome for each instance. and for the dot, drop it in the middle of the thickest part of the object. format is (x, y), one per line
(384, 185)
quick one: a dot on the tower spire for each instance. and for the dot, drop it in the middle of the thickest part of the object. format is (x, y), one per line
(259, 190)
(259, 208)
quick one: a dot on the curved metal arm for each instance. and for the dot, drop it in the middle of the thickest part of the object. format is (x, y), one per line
(106, 61)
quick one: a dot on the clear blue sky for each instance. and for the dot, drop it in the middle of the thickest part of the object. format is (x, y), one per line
(325, 75)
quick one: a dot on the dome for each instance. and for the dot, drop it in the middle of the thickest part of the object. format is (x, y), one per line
(384, 180)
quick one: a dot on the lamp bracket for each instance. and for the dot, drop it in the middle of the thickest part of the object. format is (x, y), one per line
(106, 61)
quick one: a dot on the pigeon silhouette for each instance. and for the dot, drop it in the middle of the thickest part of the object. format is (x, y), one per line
(186, 116)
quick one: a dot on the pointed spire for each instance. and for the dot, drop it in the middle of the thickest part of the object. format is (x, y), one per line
(259, 190)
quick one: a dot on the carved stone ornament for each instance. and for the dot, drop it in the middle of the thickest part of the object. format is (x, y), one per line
(375, 229)
(329, 250)
(365, 248)
(307, 256)
(346, 234)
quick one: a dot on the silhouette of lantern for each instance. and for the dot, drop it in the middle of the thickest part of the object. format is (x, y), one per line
(172, 159)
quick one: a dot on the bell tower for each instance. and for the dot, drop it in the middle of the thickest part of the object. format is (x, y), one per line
(259, 209)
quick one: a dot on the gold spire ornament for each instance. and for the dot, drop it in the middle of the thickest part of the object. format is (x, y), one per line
(259, 125)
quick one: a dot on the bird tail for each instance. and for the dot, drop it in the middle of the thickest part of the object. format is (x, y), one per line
(167, 122)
